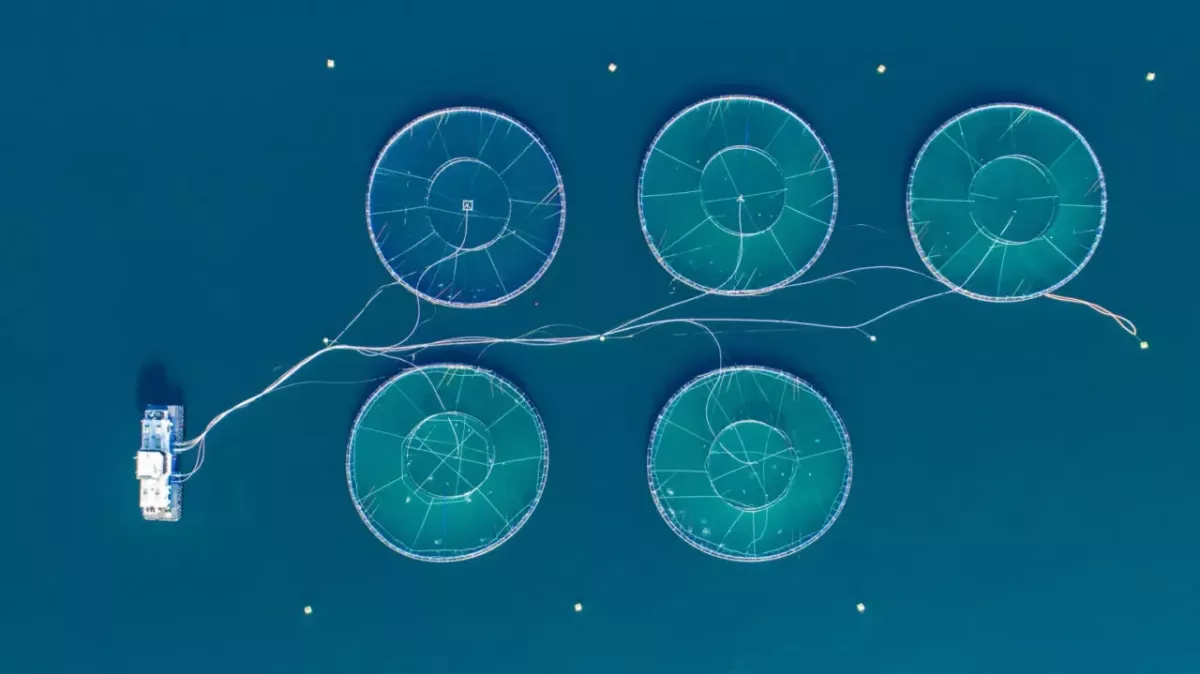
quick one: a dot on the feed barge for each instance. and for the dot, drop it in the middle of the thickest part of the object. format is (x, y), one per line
(160, 493)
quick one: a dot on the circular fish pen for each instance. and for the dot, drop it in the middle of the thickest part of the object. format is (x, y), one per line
(1006, 202)
(737, 196)
(446, 462)
(465, 207)
(749, 464)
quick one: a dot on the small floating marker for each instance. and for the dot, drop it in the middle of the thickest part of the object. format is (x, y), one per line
(307, 610)
(578, 608)
(881, 69)
(861, 607)
(602, 338)
(325, 339)
(1144, 345)
(329, 63)
(871, 337)
(1150, 77)
(612, 67)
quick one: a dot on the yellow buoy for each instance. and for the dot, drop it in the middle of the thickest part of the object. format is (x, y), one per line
(1150, 77)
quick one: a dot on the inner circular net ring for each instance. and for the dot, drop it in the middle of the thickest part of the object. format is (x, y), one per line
(465, 207)
(1006, 202)
(749, 464)
(737, 196)
(446, 462)
(449, 455)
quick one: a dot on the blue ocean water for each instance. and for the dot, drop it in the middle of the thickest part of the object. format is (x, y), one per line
(183, 189)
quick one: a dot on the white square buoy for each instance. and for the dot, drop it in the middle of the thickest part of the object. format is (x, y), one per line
(881, 69)
(329, 63)
(1150, 77)
(578, 608)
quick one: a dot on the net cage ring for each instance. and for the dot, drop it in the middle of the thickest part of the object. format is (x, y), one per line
(1006, 202)
(749, 464)
(466, 207)
(737, 195)
(446, 462)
